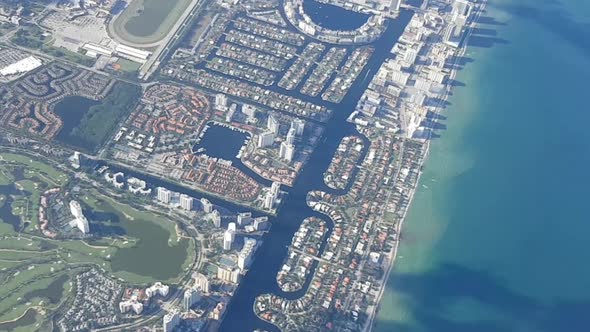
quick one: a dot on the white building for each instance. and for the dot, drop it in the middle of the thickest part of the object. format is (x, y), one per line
(171, 320)
(247, 253)
(244, 218)
(186, 202)
(266, 139)
(157, 289)
(80, 220)
(291, 136)
(201, 282)
(131, 304)
(164, 195)
(269, 201)
(23, 66)
(207, 206)
(299, 126)
(261, 223)
(228, 239)
(216, 216)
(221, 102)
(287, 151)
(191, 296)
(272, 124)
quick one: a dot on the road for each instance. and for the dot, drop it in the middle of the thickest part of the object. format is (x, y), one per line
(174, 34)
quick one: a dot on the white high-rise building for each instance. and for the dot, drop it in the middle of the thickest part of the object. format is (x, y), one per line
(228, 239)
(216, 216)
(131, 304)
(244, 218)
(157, 289)
(207, 206)
(164, 195)
(171, 320)
(269, 201)
(232, 227)
(220, 102)
(249, 110)
(247, 252)
(80, 220)
(186, 202)
(201, 282)
(272, 124)
(261, 223)
(299, 126)
(191, 296)
(266, 139)
(287, 151)
(274, 188)
(291, 136)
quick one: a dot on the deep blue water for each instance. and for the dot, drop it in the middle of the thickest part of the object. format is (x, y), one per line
(232, 141)
(496, 239)
(72, 110)
(333, 17)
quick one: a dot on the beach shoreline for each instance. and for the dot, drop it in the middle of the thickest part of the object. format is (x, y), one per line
(372, 322)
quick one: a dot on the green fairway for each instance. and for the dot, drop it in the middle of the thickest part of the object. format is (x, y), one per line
(36, 272)
(148, 21)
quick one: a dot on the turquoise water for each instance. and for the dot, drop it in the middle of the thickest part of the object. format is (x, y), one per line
(496, 238)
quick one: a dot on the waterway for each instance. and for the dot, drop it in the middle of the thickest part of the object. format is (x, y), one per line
(496, 238)
(262, 276)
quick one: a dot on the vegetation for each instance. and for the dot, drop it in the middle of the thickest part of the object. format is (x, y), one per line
(36, 273)
(101, 120)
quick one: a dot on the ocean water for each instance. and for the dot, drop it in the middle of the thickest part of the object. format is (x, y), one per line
(497, 236)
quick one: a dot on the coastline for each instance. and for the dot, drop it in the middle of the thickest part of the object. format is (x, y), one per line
(371, 323)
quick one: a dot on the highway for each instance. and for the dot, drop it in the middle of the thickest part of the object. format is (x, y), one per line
(174, 34)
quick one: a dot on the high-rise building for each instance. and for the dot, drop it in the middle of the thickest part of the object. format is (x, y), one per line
(207, 206)
(220, 102)
(244, 218)
(245, 255)
(218, 312)
(249, 110)
(131, 304)
(272, 124)
(157, 289)
(216, 216)
(191, 296)
(274, 188)
(164, 195)
(201, 282)
(171, 320)
(287, 151)
(299, 126)
(228, 274)
(291, 136)
(266, 139)
(186, 202)
(261, 223)
(228, 239)
(80, 220)
(232, 227)
(269, 200)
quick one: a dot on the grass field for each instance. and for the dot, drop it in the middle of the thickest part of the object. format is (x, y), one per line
(36, 272)
(148, 21)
